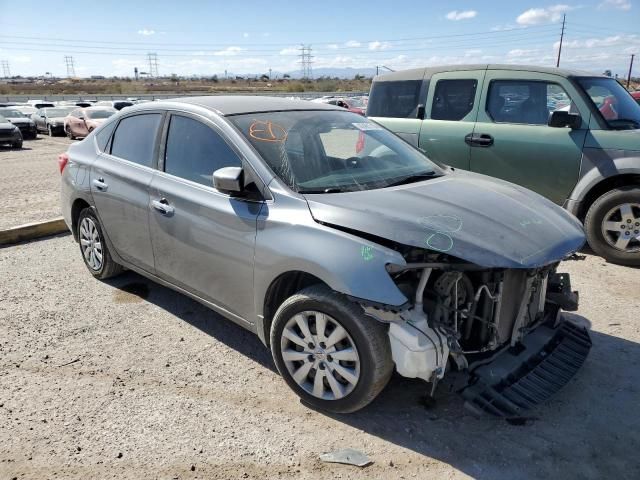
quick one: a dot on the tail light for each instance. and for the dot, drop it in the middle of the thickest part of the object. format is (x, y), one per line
(63, 158)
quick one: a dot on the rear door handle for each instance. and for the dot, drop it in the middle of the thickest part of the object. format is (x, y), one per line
(479, 140)
(99, 184)
(163, 207)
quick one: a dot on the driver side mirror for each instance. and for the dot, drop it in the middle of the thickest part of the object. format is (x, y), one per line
(561, 119)
(229, 180)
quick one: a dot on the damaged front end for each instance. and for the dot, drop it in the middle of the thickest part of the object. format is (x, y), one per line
(503, 328)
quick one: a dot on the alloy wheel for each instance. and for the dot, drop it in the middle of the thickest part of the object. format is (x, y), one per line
(320, 355)
(621, 227)
(91, 243)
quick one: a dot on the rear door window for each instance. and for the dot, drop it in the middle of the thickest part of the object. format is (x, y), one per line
(194, 151)
(394, 99)
(135, 138)
(453, 99)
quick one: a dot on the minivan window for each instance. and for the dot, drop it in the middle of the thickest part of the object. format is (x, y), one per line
(194, 151)
(398, 99)
(135, 138)
(615, 104)
(525, 101)
(453, 99)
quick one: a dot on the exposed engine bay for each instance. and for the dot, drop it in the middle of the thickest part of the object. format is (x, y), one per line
(465, 317)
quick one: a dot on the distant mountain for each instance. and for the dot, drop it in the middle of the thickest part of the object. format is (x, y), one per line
(338, 72)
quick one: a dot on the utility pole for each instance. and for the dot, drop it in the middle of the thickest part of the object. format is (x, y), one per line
(71, 71)
(153, 64)
(630, 67)
(564, 17)
(305, 61)
(6, 73)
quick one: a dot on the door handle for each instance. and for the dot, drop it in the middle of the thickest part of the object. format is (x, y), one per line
(99, 184)
(163, 206)
(479, 139)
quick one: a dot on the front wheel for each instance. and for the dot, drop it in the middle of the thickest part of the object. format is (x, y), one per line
(333, 356)
(17, 144)
(612, 226)
(93, 247)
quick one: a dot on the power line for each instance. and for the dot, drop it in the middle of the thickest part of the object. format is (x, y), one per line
(5, 69)
(71, 71)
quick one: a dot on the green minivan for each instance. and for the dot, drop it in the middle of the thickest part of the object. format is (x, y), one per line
(573, 137)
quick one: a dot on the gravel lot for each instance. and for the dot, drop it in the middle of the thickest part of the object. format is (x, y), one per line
(127, 379)
(30, 181)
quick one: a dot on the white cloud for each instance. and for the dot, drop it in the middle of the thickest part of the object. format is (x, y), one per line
(536, 16)
(632, 41)
(617, 4)
(245, 35)
(290, 51)
(352, 43)
(461, 15)
(146, 32)
(520, 52)
(378, 45)
(229, 51)
(333, 46)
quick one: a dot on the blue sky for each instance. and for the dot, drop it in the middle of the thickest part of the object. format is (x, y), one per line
(197, 37)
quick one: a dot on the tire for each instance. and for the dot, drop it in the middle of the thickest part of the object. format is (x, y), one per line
(70, 135)
(17, 144)
(603, 242)
(106, 268)
(367, 337)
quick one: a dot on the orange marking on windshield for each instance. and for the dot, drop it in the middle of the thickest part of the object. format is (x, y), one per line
(266, 131)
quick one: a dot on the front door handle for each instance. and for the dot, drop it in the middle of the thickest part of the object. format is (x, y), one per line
(163, 207)
(479, 140)
(100, 185)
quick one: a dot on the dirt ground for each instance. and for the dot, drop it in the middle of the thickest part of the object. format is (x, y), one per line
(30, 181)
(127, 379)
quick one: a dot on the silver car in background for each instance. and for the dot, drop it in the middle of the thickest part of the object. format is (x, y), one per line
(345, 249)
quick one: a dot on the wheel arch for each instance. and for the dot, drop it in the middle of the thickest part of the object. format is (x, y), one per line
(603, 186)
(78, 205)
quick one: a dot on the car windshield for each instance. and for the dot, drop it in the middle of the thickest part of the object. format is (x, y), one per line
(98, 114)
(3, 120)
(332, 151)
(355, 102)
(11, 114)
(615, 104)
(57, 112)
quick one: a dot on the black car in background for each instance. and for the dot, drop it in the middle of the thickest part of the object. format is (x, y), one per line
(25, 124)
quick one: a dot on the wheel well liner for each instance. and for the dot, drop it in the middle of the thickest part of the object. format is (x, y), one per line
(78, 205)
(284, 286)
(607, 184)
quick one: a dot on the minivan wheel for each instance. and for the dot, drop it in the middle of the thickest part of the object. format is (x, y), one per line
(612, 226)
(95, 252)
(333, 356)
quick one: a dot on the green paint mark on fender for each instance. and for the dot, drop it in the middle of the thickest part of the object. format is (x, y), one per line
(366, 252)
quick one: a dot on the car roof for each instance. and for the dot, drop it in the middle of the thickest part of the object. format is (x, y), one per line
(428, 72)
(238, 104)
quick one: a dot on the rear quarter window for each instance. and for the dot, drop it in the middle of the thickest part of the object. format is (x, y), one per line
(104, 135)
(394, 99)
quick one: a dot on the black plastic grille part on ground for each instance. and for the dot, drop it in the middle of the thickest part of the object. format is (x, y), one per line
(515, 382)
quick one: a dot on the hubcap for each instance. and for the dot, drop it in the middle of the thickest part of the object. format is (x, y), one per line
(621, 227)
(320, 355)
(91, 244)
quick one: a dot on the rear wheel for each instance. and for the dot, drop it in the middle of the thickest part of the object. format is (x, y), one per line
(332, 355)
(612, 226)
(93, 247)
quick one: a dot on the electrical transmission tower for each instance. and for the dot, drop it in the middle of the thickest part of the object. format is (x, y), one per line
(306, 61)
(5, 69)
(153, 64)
(71, 71)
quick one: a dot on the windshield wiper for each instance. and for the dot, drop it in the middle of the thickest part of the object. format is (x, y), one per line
(322, 190)
(413, 178)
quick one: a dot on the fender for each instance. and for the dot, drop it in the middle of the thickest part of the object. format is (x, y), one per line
(598, 165)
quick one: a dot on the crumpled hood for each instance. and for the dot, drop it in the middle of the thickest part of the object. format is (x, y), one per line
(476, 218)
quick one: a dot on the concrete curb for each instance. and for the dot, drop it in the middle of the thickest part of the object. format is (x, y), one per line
(31, 231)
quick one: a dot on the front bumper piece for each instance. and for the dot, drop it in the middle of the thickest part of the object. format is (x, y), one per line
(519, 379)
